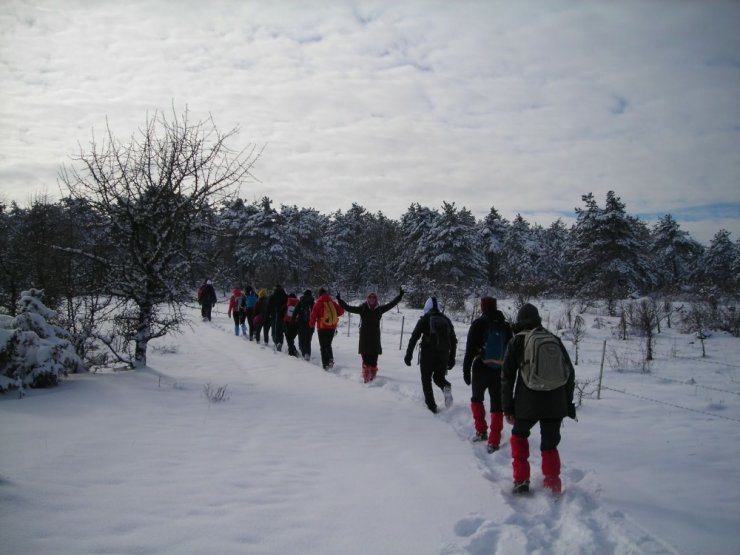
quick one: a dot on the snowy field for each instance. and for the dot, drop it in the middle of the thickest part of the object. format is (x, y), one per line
(299, 460)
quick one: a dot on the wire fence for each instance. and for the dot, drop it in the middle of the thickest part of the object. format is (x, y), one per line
(644, 398)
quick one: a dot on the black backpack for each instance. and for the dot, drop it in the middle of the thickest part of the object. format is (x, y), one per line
(439, 332)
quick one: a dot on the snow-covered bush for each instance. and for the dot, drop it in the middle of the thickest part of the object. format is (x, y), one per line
(34, 352)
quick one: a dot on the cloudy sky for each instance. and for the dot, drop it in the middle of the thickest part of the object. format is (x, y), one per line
(524, 105)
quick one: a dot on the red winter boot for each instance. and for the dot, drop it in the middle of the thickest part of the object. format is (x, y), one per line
(373, 372)
(479, 420)
(551, 470)
(497, 424)
(520, 458)
(365, 373)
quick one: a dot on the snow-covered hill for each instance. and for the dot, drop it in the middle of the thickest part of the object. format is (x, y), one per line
(299, 460)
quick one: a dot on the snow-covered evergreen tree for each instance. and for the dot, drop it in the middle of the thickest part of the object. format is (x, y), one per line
(304, 233)
(261, 247)
(493, 233)
(607, 257)
(715, 265)
(674, 254)
(34, 351)
(521, 254)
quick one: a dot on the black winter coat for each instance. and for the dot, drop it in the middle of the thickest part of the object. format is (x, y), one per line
(525, 403)
(370, 324)
(428, 352)
(478, 336)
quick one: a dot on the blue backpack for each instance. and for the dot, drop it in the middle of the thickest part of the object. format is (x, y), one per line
(493, 351)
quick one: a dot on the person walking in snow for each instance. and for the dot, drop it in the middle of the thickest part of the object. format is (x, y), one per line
(525, 406)
(261, 321)
(250, 301)
(238, 311)
(207, 298)
(275, 313)
(370, 314)
(302, 317)
(291, 326)
(488, 337)
(325, 318)
(436, 353)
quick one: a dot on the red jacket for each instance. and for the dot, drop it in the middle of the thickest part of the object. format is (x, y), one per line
(292, 301)
(236, 297)
(322, 309)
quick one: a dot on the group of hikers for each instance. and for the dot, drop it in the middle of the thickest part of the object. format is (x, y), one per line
(524, 368)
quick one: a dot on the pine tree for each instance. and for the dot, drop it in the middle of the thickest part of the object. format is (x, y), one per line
(493, 232)
(674, 254)
(607, 255)
(715, 265)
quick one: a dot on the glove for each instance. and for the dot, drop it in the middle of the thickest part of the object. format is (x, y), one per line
(572, 411)
(339, 296)
(407, 360)
(401, 291)
(451, 364)
(466, 376)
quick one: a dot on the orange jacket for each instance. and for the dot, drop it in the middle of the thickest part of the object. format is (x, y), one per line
(319, 308)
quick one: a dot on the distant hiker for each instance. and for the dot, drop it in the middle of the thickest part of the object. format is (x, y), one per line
(261, 321)
(238, 311)
(206, 298)
(325, 318)
(250, 301)
(302, 317)
(488, 337)
(537, 362)
(291, 326)
(275, 313)
(436, 354)
(370, 314)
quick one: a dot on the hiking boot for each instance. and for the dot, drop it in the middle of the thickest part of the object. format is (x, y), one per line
(491, 448)
(447, 391)
(480, 436)
(331, 364)
(520, 487)
(432, 408)
(279, 346)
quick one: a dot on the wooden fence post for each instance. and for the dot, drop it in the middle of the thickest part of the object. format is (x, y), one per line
(400, 343)
(601, 372)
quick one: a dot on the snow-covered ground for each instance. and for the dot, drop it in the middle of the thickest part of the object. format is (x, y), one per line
(299, 460)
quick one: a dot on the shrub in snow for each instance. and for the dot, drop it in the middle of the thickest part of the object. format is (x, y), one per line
(33, 351)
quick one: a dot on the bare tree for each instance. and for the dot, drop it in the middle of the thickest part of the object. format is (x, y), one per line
(644, 318)
(152, 194)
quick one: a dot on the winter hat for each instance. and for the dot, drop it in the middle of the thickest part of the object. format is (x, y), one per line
(430, 304)
(488, 306)
(262, 293)
(308, 293)
(209, 282)
(372, 299)
(322, 291)
(528, 317)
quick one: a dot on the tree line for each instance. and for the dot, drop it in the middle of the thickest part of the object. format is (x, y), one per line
(143, 222)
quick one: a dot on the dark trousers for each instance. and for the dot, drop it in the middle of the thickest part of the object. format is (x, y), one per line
(325, 339)
(239, 317)
(305, 336)
(433, 369)
(205, 311)
(277, 330)
(291, 331)
(549, 431)
(250, 321)
(370, 359)
(486, 379)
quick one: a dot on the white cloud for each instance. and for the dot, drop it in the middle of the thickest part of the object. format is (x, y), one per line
(524, 106)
